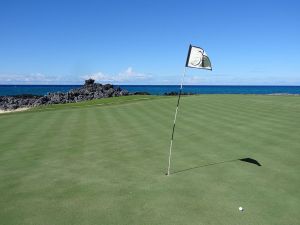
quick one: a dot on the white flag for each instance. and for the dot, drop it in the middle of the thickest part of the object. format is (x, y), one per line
(197, 58)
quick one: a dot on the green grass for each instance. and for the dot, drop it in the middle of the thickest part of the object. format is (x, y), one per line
(104, 162)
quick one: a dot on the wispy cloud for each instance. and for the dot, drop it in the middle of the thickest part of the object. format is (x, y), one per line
(130, 76)
(237, 79)
(98, 76)
(33, 78)
(127, 76)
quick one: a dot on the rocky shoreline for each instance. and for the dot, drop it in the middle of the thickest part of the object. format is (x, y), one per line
(90, 90)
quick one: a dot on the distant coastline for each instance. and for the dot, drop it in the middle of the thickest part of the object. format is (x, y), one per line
(6, 90)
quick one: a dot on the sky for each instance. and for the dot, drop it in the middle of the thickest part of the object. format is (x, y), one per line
(146, 41)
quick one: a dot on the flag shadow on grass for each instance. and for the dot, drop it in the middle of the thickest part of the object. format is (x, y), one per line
(248, 160)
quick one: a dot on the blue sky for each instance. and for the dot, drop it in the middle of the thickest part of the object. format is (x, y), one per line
(146, 41)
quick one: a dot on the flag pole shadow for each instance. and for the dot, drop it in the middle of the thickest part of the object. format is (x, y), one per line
(248, 160)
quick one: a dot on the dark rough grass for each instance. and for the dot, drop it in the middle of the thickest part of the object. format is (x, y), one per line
(104, 164)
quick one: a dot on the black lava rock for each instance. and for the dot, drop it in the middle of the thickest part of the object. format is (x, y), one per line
(141, 93)
(90, 90)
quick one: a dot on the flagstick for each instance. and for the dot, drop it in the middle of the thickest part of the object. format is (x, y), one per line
(171, 143)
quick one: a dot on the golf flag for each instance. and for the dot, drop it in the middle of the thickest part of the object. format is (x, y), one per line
(197, 58)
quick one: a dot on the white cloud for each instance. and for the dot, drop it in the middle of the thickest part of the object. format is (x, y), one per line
(99, 76)
(194, 80)
(127, 76)
(130, 76)
(237, 79)
(33, 78)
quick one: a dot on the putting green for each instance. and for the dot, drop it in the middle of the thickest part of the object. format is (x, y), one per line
(104, 162)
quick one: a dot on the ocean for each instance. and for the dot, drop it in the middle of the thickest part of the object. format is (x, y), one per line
(156, 89)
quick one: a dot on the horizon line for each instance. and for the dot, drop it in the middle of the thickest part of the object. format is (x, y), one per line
(291, 85)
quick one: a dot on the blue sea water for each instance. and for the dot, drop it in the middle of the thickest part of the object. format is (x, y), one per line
(155, 89)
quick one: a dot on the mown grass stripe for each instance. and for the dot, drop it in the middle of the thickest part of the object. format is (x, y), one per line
(88, 164)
